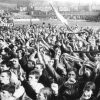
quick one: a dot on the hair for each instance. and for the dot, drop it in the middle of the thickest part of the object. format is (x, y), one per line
(8, 73)
(4, 62)
(90, 86)
(89, 66)
(21, 51)
(48, 93)
(14, 58)
(73, 69)
(36, 73)
(92, 73)
(9, 88)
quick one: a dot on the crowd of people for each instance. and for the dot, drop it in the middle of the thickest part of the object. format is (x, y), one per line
(49, 62)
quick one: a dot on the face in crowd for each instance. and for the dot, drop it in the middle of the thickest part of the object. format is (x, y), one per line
(34, 76)
(88, 91)
(31, 64)
(15, 63)
(87, 94)
(14, 49)
(71, 77)
(5, 95)
(19, 54)
(39, 67)
(45, 94)
(72, 74)
(32, 79)
(51, 62)
(57, 52)
(97, 57)
(3, 67)
(5, 78)
(52, 40)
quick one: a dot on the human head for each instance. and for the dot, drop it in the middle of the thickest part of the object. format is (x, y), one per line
(3, 66)
(84, 36)
(30, 64)
(14, 49)
(39, 67)
(15, 62)
(45, 94)
(7, 92)
(34, 76)
(88, 90)
(58, 43)
(54, 87)
(3, 52)
(5, 77)
(97, 57)
(52, 39)
(72, 73)
(58, 52)
(32, 43)
(88, 70)
(51, 62)
(19, 53)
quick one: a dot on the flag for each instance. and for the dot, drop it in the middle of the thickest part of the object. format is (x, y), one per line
(60, 17)
(68, 56)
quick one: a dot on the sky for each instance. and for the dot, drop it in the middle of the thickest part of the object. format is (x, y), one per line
(73, 1)
(80, 1)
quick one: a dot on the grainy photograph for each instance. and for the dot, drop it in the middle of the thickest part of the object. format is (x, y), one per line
(49, 49)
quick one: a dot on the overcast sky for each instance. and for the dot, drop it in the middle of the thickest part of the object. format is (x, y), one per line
(93, 2)
(80, 1)
(73, 1)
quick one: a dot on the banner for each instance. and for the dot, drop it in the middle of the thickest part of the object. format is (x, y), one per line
(60, 17)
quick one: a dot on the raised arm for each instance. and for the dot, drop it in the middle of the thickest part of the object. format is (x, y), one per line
(39, 55)
(51, 70)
